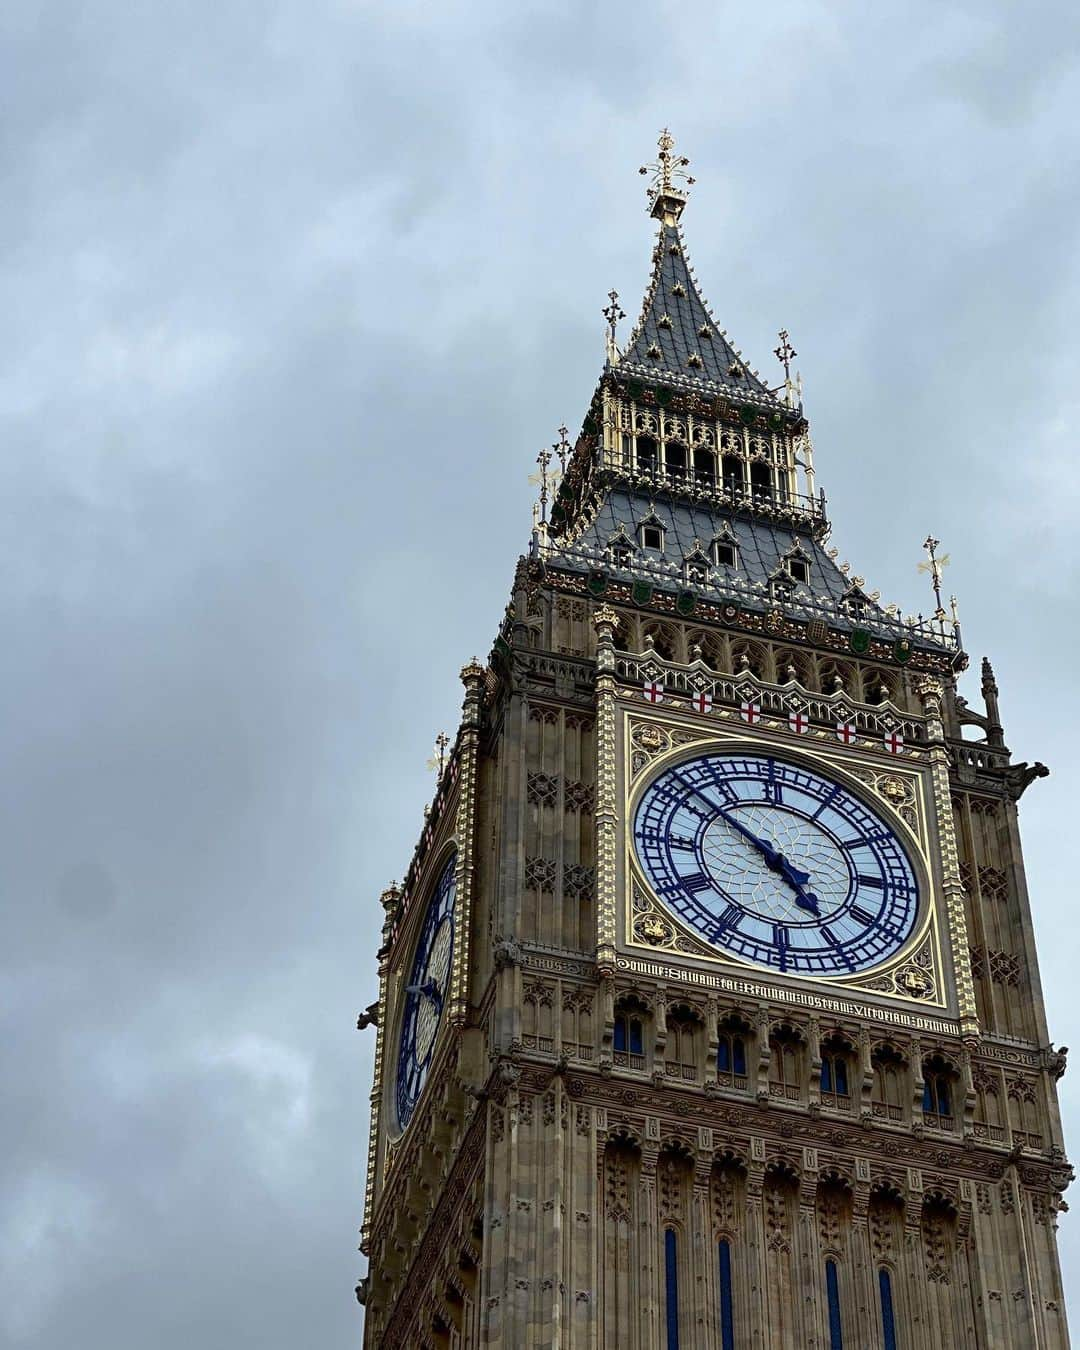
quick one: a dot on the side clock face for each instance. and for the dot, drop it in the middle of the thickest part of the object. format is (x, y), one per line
(776, 864)
(425, 994)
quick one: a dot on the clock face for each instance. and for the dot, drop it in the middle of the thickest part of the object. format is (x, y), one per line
(425, 994)
(776, 864)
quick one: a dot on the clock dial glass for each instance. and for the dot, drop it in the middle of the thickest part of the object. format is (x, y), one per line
(425, 994)
(775, 863)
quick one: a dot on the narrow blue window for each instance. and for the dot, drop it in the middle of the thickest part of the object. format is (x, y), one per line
(723, 1055)
(727, 1324)
(671, 1288)
(635, 1038)
(826, 1075)
(927, 1097)
(841, 1078)
(620, 1034)
(888, 1321)
(832, 1288)
(739, 1055)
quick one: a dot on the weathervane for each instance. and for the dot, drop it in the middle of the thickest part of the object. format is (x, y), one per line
(669, 176)
(437, 762)
(613, 313)
(934, 566)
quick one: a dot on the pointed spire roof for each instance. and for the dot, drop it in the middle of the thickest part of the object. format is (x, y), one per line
(677, 341)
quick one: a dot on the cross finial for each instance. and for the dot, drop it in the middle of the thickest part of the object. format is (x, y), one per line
(562, 449)
(543, 459)
(613, 312)
(934, 565)
(667, 191)
(437, 762)
(785, 353)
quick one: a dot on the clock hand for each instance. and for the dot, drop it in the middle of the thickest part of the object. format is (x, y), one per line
(776, 862)
(429, 989)
(796, 880)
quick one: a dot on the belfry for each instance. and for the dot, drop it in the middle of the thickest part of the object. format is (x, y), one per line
(709, 1012)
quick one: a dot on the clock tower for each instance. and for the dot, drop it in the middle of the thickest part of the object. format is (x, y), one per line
(709, 1013)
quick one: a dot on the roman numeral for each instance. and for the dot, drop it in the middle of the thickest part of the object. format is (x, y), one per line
(864, 880)
(697, 881)
(827, 802)
(729, 919)
(863, 915)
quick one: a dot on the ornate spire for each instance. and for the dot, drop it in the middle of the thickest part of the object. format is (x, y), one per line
(667, 191)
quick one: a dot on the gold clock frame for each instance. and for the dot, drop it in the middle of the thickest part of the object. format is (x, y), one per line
(901, 790)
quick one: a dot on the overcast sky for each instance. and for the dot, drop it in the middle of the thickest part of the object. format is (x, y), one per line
(292, 295)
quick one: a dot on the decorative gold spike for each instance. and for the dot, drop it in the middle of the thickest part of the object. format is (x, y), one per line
(437, 762)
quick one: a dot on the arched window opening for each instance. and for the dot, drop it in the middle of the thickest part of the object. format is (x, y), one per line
(837, 1073)
(1024, 1112)
(836, 676)
(704, 468)
(671, 1288)
(888, 1318)
(939, 1084)
(832, 1291)
(628, 1042)
(663, 640)
(731, 1056)
(681, 1048)
(727, 1321)
(675, 461)
(761, 481)
(785, 1064)
(646, 454)
(890, 1082)
(732, 468)
(747, 656)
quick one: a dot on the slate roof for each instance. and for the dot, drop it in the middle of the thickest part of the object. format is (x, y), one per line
(762, 547)
(689, 348)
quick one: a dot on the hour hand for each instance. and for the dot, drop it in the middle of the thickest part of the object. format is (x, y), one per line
(797, 880)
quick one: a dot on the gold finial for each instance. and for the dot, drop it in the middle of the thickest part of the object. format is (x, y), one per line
(437, 762)
(667, 191)
(613, 312)
(934, 566)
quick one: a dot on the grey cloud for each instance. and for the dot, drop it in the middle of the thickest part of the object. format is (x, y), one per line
(292, 301)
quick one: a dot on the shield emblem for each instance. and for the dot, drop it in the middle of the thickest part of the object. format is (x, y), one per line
(817, 630)
(685, 602)
(859, 641)
(902, 650)
(597, 583)
(641, 592)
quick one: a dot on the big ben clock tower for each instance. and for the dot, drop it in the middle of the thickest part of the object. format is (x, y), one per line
(709, 1013)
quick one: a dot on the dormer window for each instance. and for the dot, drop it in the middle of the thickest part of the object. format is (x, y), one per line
(697, 570)
(798, 569)
(725, 554)
(780, 588)
(622, 553)
(652, 536)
